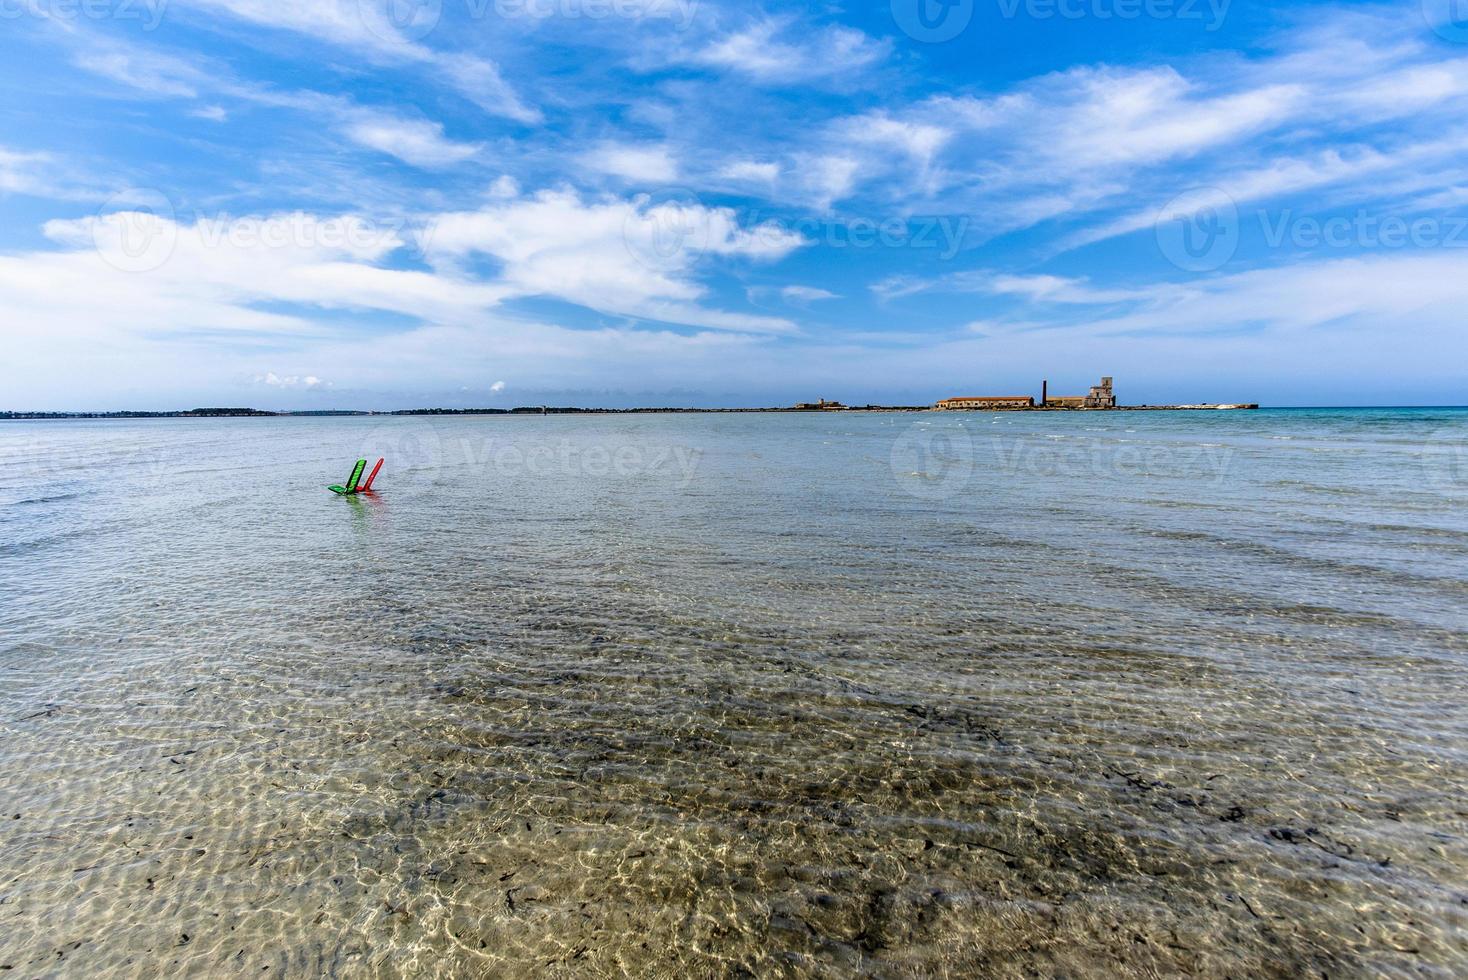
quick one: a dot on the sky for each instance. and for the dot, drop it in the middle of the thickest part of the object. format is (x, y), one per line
(383, 204)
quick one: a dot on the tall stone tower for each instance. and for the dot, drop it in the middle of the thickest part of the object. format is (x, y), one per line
(1101, 395)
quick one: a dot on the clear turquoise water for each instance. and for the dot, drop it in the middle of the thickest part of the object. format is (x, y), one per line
(1018, 694)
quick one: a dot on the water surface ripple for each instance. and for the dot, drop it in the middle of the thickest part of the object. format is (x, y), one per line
(1101, 694)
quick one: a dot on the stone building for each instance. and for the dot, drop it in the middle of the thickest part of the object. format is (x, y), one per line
(1101, 395)
(987, 402)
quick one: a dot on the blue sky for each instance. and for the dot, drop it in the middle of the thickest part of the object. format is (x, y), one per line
(395, 203)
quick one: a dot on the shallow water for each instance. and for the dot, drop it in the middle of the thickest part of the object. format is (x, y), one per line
(887, 695)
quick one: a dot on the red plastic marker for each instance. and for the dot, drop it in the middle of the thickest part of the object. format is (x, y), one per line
(367, 487)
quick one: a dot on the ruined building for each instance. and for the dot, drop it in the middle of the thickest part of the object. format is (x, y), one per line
(1101, 395)
(988, 402)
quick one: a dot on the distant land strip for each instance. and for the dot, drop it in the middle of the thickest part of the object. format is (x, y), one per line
(216, 413)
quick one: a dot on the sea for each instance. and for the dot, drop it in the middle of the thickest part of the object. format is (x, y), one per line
(705, 695)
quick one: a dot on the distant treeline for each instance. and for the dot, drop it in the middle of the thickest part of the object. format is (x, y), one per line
(215, 413)
(195, 413)
(564, 410)
(553, 410)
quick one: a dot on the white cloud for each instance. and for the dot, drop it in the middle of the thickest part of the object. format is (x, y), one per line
(760, 51)
(364, 26)
(23, 173)
(642, 164)
(146, 71)
(258, 287)
(480, 81)
(1113, 117)
(415, 141)
(1065, 142)
(125, 276)
(1419, 293)
(290, 381)
(1414, 294)
(1111, 144)
(752, 171)
(1288, 175)
(632, 258)
(826, 179)
(896, 287)
(878, 144)
(918, 141)
(54, 176)
(1032, 288)
(1041, 288)
(497, 387)
(806, 294)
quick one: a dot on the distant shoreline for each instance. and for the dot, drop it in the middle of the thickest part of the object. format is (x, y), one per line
(234, 413)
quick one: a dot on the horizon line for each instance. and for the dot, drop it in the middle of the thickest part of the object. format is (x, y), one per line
(41, 415)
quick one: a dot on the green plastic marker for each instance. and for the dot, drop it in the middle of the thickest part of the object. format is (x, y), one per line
(351, 486)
